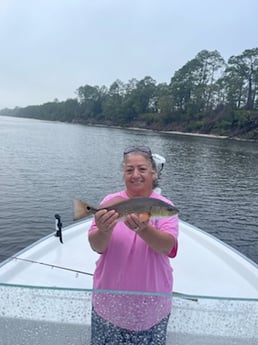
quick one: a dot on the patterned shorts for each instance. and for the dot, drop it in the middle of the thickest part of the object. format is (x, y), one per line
(105, 333)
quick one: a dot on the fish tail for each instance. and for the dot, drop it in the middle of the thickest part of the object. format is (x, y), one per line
(82, 209)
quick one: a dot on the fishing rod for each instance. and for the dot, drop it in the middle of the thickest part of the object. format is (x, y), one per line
(178, 294)
(58, 234)
(49, 265)
(193, 298)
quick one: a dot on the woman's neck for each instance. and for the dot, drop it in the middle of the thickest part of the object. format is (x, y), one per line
(136, 195)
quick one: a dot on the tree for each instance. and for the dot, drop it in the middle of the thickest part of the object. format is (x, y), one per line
(113, 100)
(193, 85)
(139, 98)
(90, 98)
(242, 78)
(212, 65)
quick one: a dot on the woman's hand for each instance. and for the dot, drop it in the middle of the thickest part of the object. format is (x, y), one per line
(105, 223)
(160, 241)
(106, 220)
(134, 222)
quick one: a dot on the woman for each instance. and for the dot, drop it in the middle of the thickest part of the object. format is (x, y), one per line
(135, 259)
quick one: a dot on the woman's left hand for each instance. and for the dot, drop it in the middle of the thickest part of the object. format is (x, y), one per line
(133, 222)
(158, 240)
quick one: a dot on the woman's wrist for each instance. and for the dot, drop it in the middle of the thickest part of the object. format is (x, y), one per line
(142, 227)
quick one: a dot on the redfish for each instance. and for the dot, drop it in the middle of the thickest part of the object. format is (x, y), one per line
(144, 207)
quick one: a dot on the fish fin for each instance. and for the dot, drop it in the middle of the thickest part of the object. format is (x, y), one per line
(144, 217)
(82, 209)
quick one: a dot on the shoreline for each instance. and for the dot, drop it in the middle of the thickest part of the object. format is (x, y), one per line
(203, 135)
(196, 134)
(211, 136)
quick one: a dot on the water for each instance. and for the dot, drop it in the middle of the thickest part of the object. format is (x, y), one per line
(45, 165)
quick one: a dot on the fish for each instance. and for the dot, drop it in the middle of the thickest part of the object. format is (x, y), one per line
(143, 206)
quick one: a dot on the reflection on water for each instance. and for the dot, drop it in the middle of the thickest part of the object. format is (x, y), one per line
(214, 184)
(45, 165)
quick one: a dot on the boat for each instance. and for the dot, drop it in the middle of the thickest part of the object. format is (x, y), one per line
(46, 289)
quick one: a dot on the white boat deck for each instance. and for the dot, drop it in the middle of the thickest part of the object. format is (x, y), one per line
(204, 266)
(45, 295)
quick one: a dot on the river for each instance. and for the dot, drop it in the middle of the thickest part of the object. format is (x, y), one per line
(45, 165)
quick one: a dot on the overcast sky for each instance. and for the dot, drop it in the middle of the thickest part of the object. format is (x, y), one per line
(49, 48)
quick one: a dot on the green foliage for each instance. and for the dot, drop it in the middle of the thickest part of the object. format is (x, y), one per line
(205, 95)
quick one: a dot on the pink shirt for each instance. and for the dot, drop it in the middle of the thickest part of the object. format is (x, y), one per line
(129, 264)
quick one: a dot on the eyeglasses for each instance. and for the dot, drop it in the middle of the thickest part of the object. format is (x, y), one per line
(144, 149)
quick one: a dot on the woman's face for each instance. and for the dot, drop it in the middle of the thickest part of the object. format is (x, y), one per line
(138, 175)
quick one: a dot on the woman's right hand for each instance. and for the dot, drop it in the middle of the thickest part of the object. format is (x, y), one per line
(105, 223)
(106, 220)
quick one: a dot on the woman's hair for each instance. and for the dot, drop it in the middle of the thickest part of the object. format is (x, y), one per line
(147, 156)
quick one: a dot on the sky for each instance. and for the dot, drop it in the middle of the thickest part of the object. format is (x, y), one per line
(49, 48)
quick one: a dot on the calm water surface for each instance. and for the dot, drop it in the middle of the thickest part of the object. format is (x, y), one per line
(45, 165)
